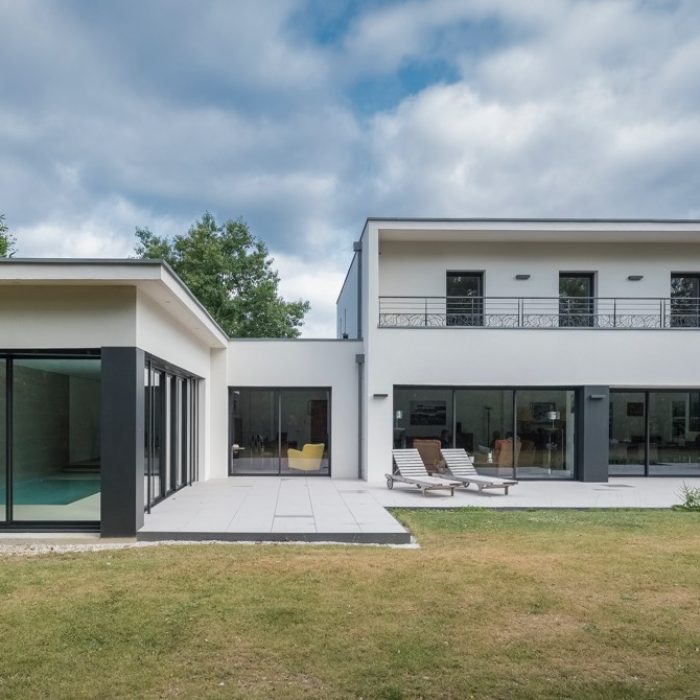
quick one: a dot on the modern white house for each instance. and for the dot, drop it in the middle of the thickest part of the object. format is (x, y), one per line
(548, 349)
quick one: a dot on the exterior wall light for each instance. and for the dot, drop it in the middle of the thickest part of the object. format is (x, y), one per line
(635, 278)
(522, 277)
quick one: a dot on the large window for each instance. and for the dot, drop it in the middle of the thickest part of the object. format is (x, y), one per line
(170, 431)
(53, 445)
(280, 431)
(654, 433)
(509, 432)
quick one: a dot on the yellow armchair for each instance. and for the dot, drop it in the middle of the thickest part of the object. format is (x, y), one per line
(307, 460)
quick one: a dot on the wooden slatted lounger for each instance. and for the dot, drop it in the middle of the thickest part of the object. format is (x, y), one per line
(461, 466)
(409, 469)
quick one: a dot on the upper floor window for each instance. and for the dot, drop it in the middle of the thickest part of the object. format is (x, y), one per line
(576, 299)
(685, 300)
(465, 302)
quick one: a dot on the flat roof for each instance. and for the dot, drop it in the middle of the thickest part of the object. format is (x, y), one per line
(593, 230)
(172, 281)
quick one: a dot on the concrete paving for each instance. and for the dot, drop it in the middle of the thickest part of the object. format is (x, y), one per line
(619, 492)
(319, 509)
(309, 509)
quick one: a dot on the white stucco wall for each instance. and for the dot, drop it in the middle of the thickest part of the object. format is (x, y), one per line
(163, 336)
(307, 363)
(418, 269)
(48, 317)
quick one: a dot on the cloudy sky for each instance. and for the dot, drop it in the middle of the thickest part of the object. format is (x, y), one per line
(304, 118)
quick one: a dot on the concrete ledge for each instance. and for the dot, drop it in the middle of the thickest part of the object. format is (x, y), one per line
(339, 537)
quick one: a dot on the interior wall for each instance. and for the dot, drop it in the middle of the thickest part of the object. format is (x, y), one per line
(84, 416)
(40, 422)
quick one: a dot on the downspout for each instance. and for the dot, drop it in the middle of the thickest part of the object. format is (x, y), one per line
(357, 249)
(360, 361)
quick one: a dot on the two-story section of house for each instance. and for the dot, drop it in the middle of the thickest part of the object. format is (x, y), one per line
(548, 349)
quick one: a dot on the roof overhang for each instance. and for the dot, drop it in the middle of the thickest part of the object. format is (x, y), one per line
(153, 278)
(539, 230)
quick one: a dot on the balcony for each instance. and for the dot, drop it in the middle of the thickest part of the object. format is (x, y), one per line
(620, 313)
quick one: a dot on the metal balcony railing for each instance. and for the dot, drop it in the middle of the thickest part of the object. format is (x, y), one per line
(539, 312)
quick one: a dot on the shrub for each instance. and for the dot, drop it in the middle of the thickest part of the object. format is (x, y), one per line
(691, 498)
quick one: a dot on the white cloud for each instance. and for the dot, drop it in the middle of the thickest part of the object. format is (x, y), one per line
(121, 115)
(319, 282)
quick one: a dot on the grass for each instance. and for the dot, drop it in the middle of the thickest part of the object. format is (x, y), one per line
(561, 604)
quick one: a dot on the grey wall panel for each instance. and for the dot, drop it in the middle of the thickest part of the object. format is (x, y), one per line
(594, 438)
(122, 441)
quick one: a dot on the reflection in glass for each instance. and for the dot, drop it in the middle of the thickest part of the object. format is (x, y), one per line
(465, 299)
(56, 439)
(304, 431)
(169, 430)
(544, 445)
(575, 300)
(3, 441)
(484, 422)
(685, 301)
(627, 449)
(422, 414)
(255, 432)
(283, 431)
(674, 433)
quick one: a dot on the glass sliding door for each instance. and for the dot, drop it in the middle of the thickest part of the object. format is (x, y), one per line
(674, 433)
(55, 439)
(654, 433)
(484, 428)
(627, 450)
(279, 431)
(169, 430)
(255, 431)
(3, 440)
(545, 433)
(423, 414)
(304, 431)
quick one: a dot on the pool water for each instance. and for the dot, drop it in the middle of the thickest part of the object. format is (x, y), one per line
(52, 492)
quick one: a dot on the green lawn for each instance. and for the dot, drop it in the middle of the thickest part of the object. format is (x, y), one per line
(562, 604)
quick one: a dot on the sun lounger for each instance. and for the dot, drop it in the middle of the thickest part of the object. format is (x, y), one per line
(461, 467)
(409, 469)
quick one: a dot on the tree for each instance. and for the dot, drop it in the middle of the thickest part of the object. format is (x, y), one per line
(7, 242)
(229, 270)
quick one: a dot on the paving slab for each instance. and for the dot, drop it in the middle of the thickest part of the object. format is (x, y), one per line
(310, 509)
(336, 510)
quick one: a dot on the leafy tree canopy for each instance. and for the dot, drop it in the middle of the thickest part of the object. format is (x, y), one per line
(229, 270)
(7, 242)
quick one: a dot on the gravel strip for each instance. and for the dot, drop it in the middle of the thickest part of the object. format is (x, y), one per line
(39, 549)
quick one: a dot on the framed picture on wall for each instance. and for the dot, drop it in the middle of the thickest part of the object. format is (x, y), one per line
(540, 409)
(429, 413)
(635, 409)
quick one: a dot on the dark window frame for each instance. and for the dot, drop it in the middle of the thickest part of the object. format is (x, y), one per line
(459, 310)
(645, 395)
(278, 390)
(577, 312)
(9, 523)
(575, 470)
